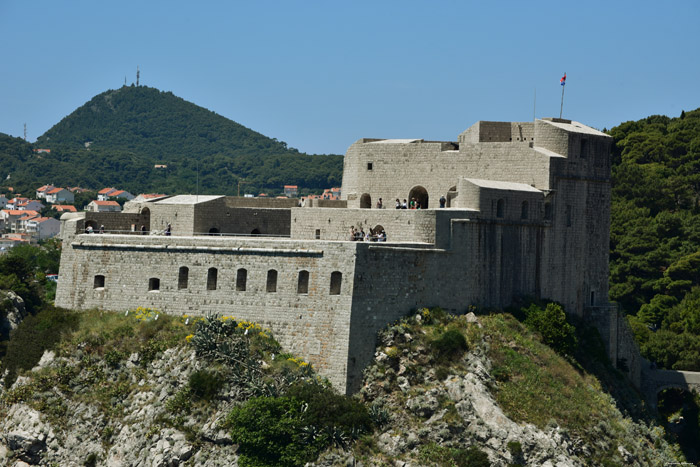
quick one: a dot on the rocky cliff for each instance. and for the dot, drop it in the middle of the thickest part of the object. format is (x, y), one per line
(442, 391)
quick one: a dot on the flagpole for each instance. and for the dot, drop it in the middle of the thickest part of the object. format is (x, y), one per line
(563, 86)
(534, 107)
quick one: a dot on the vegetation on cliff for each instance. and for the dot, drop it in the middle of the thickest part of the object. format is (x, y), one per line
(655, 235)
(443, 390)
(134, 128)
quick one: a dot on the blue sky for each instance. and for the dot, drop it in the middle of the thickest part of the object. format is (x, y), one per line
(321, 74)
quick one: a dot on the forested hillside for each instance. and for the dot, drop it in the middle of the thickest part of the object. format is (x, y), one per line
(655, 235)
(118, 137)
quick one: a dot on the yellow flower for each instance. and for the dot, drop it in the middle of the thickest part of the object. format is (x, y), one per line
(189, 338)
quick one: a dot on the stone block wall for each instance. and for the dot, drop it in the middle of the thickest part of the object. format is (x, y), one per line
(314, 324)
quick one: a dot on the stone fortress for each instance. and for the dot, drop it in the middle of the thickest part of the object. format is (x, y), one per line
(527, 209)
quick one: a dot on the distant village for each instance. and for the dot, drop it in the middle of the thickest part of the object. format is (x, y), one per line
(26, 220)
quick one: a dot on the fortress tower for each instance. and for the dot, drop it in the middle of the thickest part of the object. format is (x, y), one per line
(527, 213)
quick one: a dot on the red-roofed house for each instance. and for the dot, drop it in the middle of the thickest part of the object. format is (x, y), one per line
(290, 191)
(10, 216)
(43, 227)
(107, 193)
(64, 208)
(20, 224)
(41, 191)
(59, 195)
(103, 206)
(331, 193)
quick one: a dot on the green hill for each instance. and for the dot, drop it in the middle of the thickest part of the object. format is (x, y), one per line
(655, 235)
(118, 137)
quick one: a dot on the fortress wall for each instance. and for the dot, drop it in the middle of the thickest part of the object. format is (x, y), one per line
(180, 216)
(551, 137)
(487, 265)
(396, 168)
(118, 222)
(228, 220)
(484, 132)
(277, 203)
(314, 325)
(401, 225)
(575, 261)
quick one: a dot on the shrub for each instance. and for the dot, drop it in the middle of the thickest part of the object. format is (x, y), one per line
(34, 335)
(552, 325)
(450, 343)
(293, 429)
(268, 432)
(205, 384)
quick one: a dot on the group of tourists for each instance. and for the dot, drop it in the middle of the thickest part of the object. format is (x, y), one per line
(413, 204)
(359, 235)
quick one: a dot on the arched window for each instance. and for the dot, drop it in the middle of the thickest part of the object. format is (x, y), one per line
(524, 210)
(303, 282)
(255, 232)
(271, 281)
(211, 278)
(336, 282)
(182, 277)
(365, 201)
(500, 208)
(213, 231)
(241, 278)
(548, 211)
(153, 284)
(421, 196)
(99, 282)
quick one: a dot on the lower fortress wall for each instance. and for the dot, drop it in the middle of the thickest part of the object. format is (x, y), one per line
(381, 282)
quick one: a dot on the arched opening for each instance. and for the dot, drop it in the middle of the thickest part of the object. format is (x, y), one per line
(214, 231)
(303, 282)
(336, 282)
(241, 279)
(145, 218)
(271, 286)
(451, 194)
(255, 232)
(183, 277)
(500, 208)
(91, 226)
(524, 210)
(548, 211)
(212, 275)
(365, 201)
(153, 284)
(420, 194)
(379, 234)
(99, 282)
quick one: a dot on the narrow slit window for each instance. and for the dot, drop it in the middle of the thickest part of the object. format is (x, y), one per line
(183, 277)
(336, 282)
(524, 210)
(303, 282)
(211, 278)
(500, 208)
(271, 281)
(318, 234)
(241, 278)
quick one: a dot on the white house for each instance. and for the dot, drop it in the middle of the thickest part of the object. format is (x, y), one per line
(43, 227)
(103, 206)
(59, 195)
(41, 191)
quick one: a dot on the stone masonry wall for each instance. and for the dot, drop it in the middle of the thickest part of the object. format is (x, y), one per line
(314, 325)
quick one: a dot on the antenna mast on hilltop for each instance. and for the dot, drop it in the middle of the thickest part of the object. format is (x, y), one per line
(137, 75)
(25, 132)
